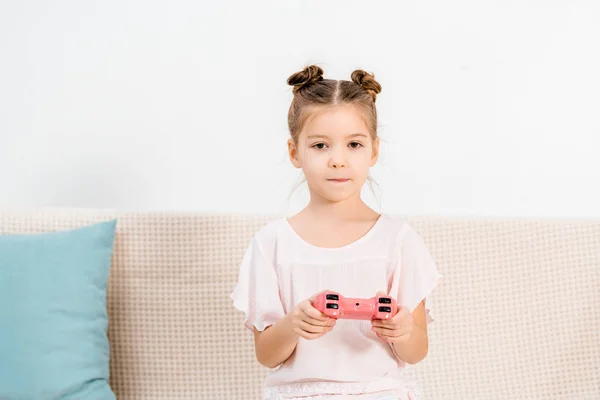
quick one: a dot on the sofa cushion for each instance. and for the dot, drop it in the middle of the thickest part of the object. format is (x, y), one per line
(53, 335)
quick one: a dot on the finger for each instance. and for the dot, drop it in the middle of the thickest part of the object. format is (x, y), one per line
(307, 335)
(318, 322)
(380, 323)
(385, 330)
(314, 296)
(396, 324)
(392, 340)
(395, 327)
(401, 314)
(313, 328)
(306, 307)
(392, 333)
(309, 310)
(389, 321)
(384, 334)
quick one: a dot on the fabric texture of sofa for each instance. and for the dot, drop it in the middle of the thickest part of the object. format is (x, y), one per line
(517, 315)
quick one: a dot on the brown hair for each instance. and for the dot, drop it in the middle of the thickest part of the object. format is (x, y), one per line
(312, 91)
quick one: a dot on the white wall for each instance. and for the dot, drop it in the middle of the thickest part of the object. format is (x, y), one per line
(487, 108)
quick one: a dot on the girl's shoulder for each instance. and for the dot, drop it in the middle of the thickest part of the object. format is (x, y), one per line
(269, 231)
(403, 232)
(267, 236)
(394, 225)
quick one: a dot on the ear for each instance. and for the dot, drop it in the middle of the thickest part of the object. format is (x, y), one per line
(375, 152)
(293, 153)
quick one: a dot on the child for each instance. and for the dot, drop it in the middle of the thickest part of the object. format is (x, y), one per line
(336, 243)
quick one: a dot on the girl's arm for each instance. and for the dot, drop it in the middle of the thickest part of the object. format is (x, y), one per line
(416, 347)
(276, 343)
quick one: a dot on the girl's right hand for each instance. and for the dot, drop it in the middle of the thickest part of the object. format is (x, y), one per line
(308, 322)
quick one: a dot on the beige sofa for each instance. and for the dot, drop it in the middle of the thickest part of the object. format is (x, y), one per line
(517, 314)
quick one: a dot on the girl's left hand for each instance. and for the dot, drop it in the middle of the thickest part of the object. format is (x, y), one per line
(397, 329)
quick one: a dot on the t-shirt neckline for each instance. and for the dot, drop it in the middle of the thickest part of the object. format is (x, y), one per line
(361, 239)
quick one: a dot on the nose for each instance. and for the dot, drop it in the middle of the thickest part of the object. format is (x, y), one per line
(337, 159)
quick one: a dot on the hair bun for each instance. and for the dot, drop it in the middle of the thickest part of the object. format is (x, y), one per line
(366, 81)
(308, 75)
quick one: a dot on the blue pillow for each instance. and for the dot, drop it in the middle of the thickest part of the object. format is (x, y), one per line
(53, 316)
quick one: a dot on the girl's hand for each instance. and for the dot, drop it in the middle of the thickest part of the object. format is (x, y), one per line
(397, 329)
(308, 322)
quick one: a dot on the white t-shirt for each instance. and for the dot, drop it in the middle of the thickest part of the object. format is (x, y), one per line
(280, 269)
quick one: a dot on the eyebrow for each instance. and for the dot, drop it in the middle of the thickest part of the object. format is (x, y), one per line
(327, 137)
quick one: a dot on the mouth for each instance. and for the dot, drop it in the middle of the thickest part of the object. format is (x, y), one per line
(340, 180)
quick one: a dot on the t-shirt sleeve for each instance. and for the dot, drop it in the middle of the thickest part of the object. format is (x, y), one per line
(256, 293)
(415, 274)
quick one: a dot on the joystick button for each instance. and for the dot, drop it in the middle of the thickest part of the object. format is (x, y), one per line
(332, 297)
(385, 300)
(332, 305)
(385, 309)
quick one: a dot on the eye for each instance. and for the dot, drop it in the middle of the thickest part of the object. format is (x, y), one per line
(317, 145)
(357, 145)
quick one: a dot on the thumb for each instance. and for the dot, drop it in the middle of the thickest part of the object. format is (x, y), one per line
(314, 296)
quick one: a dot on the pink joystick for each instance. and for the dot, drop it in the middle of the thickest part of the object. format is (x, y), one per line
(336, 306)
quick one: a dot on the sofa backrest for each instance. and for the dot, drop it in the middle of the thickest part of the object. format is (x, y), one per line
(517, 314)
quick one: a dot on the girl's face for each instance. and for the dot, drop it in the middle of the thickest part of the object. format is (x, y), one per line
(335, 152)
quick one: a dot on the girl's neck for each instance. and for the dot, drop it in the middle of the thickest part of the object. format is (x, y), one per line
(350, 209)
